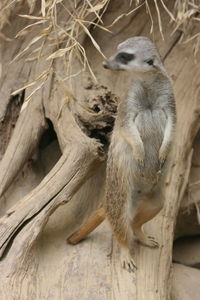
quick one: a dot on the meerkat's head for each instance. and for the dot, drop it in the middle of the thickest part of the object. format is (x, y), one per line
(138, 55)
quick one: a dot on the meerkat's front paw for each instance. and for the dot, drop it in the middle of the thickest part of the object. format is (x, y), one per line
(127, 261)
(161, 162)
(139, 156)
(162, 157)
(141, 164)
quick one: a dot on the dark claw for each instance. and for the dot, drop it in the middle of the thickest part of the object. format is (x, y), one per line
(141, 164)
(161, 164)
(134, 267)
(156, 244)
(130, 266)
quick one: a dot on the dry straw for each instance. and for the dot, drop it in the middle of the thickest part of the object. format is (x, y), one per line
(64, 38)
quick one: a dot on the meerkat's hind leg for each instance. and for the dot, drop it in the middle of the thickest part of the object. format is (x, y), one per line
(146, 240)
(117, 215)
(124, 236)
(127, 260)
(147, 210)
(127, 254)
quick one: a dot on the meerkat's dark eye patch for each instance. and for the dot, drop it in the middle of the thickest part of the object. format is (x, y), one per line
(149, 62)
(124, 57)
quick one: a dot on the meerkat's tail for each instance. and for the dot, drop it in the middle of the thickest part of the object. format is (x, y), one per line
(88, 198)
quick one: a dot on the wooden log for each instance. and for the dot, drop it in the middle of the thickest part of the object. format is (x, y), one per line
(71, 171)
(185, 283)
(27, 133)
(188, 218)
(152, 279)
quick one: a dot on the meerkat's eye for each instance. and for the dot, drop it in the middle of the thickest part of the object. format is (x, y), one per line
(124, 57)
(149, 62)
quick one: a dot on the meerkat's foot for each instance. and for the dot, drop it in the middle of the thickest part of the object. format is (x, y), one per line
(148, 241)
(127, 261)
(162, 158)
(141, 164)
(161, 163)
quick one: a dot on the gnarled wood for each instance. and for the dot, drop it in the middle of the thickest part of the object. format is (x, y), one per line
(30, 257)
(30, 126)
(74, 167)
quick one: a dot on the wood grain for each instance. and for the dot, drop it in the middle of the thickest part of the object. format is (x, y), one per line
(49, 268)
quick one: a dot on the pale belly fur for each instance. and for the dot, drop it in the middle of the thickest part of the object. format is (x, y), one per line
(151, 125)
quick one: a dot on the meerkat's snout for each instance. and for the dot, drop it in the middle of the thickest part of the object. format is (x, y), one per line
(111, 64)
(105, 65)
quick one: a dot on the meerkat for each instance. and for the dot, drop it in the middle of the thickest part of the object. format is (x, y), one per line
(140, 143)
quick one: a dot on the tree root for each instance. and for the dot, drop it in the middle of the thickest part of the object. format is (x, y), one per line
(58, 187)
(30, 126)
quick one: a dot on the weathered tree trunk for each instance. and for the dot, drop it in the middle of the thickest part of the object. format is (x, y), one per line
(81, 113)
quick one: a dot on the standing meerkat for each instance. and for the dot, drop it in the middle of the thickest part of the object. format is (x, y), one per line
(140, 143)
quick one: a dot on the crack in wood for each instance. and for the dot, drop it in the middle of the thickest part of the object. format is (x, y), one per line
(179, 35)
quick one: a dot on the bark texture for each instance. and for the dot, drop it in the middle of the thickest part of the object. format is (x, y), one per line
(56, 155)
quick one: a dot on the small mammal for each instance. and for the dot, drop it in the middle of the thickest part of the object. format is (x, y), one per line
(140, 143)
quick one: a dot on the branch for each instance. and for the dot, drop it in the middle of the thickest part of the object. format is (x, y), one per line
(74, 167)
(30, 126)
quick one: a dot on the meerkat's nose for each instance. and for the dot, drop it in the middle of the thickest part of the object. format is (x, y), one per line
(105, 65)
